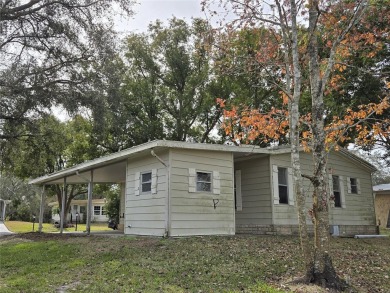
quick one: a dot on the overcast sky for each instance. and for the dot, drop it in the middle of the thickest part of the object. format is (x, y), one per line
(147, 11)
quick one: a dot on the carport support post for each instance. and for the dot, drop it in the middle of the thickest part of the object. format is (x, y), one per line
(63, 201)
(41, 210)
(89, 207)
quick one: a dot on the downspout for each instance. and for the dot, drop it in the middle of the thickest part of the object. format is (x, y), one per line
(167, 202)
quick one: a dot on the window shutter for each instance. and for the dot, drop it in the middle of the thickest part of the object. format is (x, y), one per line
(136, 183)
(342, 193)
(330, 183)
(290, 183)
(216, 183)
(192, 180)
(238, 190)
(154, 181)
(358, 186)
(349, 190)
(275, 184)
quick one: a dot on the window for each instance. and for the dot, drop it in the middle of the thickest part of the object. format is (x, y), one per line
(203, 181)
(283, 185)
(96, 210)
(146, 182)
(354, 185)
(336, 191)
(82, 209)
(103, 211)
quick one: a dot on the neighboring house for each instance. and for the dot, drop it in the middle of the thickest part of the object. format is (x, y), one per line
(80, 207)
(177, 189)
(382, 204)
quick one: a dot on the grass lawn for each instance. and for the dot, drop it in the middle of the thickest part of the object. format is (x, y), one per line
(24, 227)
(39, 262)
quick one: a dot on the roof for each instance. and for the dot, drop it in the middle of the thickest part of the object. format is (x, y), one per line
(382, 187)
(112, 168)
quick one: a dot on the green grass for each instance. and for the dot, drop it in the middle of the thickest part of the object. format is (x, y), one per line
(384, 231)
(193, 264)
(24, 227)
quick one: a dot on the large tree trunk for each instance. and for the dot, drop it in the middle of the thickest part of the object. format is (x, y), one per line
(323, 272)
(294, 139)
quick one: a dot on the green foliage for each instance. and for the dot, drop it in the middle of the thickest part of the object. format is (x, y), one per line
(113, 203)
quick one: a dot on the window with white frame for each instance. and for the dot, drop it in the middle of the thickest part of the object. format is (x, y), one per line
(282, 182)
(336, 191)
(283, 185)
(203, 181)
(146, 182)
(353, 185)
(96, 210)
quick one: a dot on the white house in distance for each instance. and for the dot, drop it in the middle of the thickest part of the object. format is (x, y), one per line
(173, 188)
(80, 207)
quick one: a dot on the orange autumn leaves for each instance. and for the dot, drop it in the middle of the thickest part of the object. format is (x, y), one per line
(247, 125)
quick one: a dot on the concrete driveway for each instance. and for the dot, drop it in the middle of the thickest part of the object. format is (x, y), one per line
(4, 230)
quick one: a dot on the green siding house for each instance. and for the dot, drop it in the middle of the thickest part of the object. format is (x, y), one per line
(179, 189)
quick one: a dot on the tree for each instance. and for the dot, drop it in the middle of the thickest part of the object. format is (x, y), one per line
(294, 50)
(169, 69)
(44, 45)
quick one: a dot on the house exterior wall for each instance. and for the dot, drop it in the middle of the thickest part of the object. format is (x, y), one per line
(256, 213)
(382, 208)
(357, 215)
(145, 214)
(192, 212)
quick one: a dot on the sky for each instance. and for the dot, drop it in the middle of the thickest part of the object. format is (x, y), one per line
(147, 11)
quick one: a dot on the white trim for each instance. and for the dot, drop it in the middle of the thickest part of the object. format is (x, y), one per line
(349, 189)
(342, 192)
(275, 184)
(290, 187)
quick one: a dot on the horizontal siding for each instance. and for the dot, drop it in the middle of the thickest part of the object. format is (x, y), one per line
(359, 207)
(193, 213)
(146, 213)
(256, 193)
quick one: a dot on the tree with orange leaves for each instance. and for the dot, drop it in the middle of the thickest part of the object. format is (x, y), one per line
(308, 44)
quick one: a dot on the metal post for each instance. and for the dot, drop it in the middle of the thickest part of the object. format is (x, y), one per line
(41, 210)
(4, 205)
(89, 206)
(63, 201)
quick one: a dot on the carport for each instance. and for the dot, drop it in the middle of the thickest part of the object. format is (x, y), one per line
(106, 169)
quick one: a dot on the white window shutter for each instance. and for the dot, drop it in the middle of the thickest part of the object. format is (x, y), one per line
(191, 180)
(358, 186)
(216, 182)
(342, 193)
(154, 181)
(349, 190)
(275, 183)
(238, 190)
(290, 183)
(136, 183)
(330, 183)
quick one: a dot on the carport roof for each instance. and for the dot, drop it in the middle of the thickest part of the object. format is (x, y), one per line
(112, 168)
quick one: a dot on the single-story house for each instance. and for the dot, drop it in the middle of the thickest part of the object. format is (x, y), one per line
(78, 208)
(382, 204)
(171, 188)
